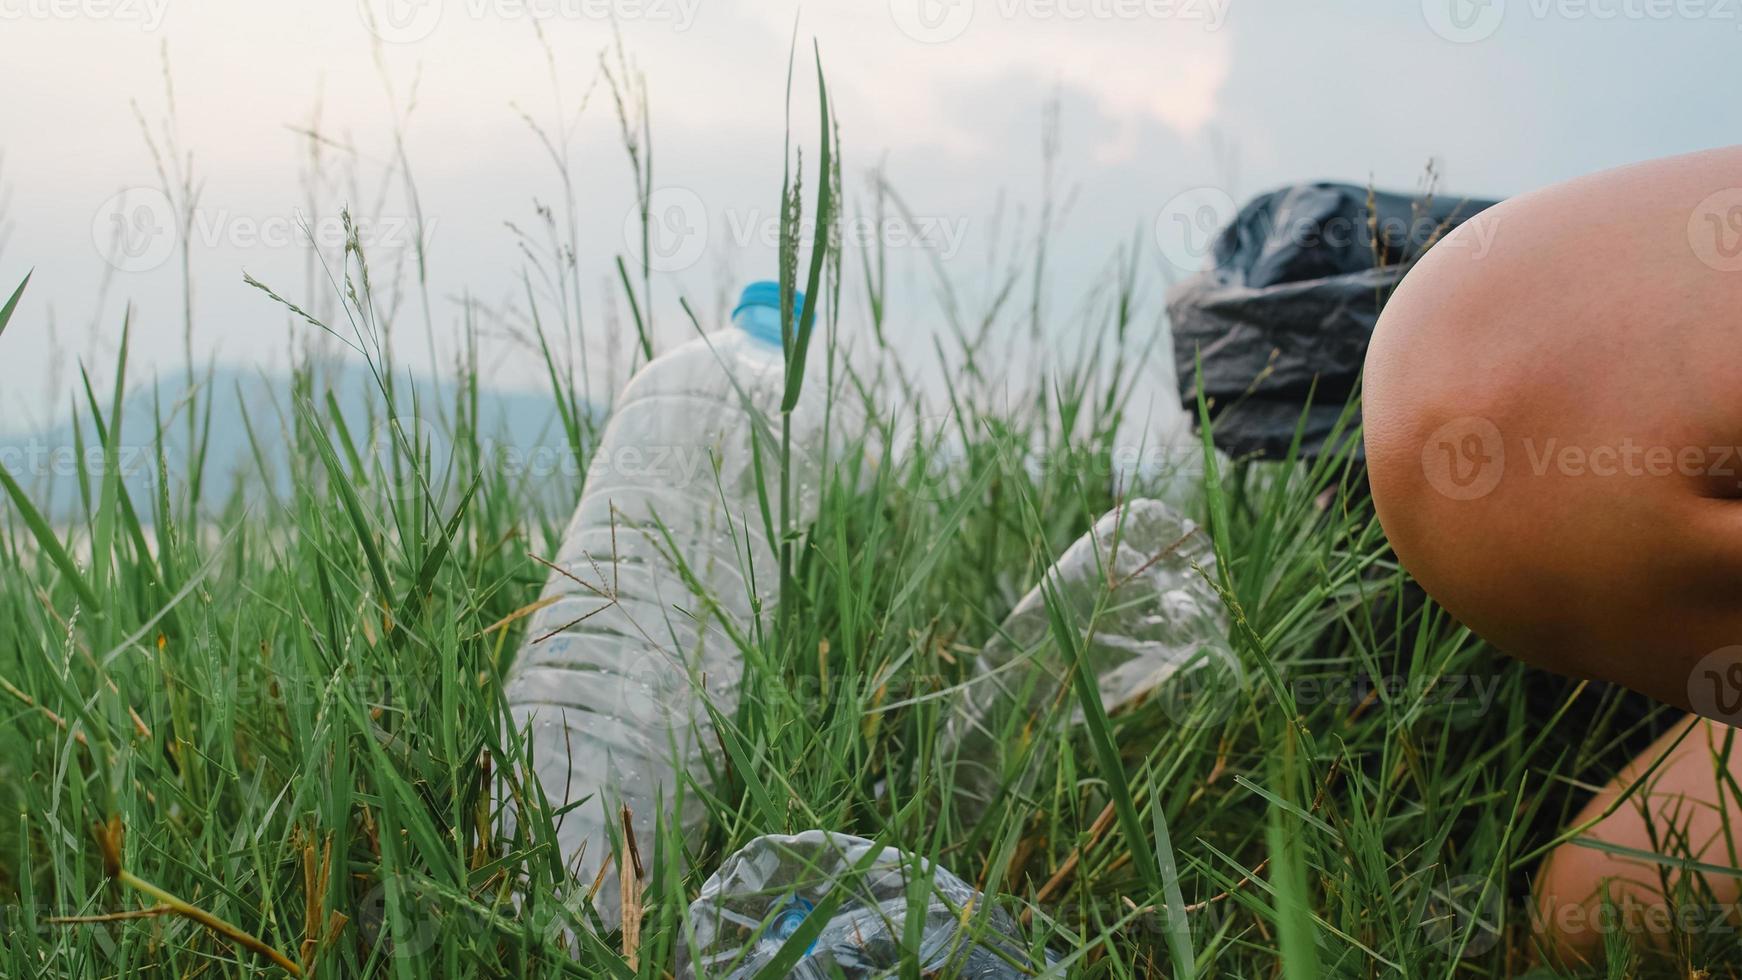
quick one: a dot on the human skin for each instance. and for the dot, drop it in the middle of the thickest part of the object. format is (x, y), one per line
(1677, 794)
(1551, 402)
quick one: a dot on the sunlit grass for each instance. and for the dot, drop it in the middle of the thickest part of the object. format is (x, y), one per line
(239, 731)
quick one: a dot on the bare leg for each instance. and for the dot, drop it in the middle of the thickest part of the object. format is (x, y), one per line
(1682, 804)
(1552, 402)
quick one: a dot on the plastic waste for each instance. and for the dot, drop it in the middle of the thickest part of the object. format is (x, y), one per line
(1161, 630)
(611, 679)
(1294, 287)
(764, 892)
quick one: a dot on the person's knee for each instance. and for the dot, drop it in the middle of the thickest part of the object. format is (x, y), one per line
(1453, 388)
(1533, 396)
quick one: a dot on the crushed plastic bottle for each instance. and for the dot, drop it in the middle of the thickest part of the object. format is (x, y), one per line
(609, 681)
(764, 892)
(1161, 626)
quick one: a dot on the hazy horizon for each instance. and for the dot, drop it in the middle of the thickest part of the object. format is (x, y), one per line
(1159, 102)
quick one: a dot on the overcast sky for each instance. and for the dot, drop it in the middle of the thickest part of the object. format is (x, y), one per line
(1214, 100)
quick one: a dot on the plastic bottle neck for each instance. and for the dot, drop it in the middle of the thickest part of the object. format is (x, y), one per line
(758, 312)
(760, 323)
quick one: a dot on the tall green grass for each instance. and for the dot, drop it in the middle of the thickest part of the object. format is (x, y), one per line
(243, 735)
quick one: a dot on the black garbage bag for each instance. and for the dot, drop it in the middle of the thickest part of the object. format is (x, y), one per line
(1294, 287)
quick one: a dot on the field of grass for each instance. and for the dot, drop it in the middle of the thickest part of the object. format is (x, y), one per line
(249, 734)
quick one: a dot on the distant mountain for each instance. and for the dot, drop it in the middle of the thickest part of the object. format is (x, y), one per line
(522, 431)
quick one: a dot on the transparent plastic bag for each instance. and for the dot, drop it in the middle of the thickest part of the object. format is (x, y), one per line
(764, 892)
(1161, 630)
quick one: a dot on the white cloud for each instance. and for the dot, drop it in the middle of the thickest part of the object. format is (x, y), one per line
(1142, 62)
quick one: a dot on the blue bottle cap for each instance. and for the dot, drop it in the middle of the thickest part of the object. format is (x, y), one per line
(758, 311)
(787, 915)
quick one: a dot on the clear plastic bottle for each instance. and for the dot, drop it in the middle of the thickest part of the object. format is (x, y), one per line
(610, 679)
(762, 894)
(1162, 632)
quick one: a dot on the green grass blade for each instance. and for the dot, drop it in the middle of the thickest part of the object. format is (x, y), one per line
(12, 303)
(819, 252)
(46, 540)
(341, 484)
(1179, 933)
